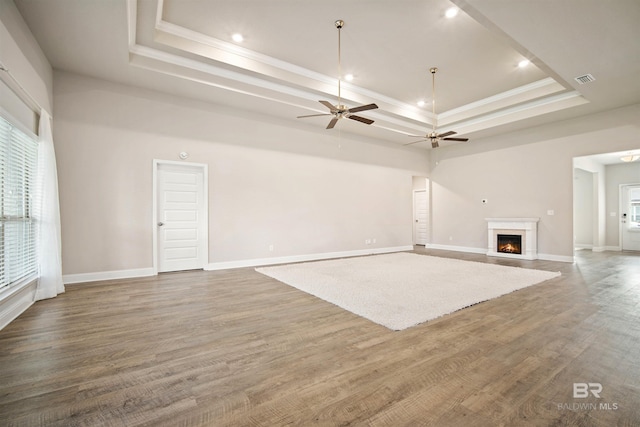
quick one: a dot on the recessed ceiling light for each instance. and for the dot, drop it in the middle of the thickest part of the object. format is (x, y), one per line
(348, 77)
(237, 37)
(421, 103)
(451, 12)
(524, 63)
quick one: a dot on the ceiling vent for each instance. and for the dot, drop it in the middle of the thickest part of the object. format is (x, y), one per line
(587, 78)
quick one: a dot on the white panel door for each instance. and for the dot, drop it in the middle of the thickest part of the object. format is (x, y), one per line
(420, 217)
(181, 218)
(630, 221)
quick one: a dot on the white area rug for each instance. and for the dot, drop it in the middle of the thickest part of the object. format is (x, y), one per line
(400, 290)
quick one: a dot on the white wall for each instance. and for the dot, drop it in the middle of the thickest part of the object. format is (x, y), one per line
(583, 208)
(596, 219)
(522, 174)
(420, 182)
(302, 189)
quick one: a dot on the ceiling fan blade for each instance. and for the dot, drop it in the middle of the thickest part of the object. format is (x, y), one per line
(339, 111)
(434, 144)
(332, 123)
(329, 105)
(362, 108)
(360, 119)
(314, 115)
(415, 142)
(442, 135)
(456, 139)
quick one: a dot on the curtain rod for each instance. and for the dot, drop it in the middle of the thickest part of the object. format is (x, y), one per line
(13, 84)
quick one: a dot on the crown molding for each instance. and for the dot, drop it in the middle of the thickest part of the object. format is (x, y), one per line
(526, 93)
(518, 112)
(258, 75)
(186, 40)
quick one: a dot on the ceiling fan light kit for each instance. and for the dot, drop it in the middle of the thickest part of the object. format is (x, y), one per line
(630, 158)
(434, 136)
(340, 111)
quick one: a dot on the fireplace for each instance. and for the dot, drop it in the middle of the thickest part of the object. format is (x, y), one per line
(509, 243)
(513, 237)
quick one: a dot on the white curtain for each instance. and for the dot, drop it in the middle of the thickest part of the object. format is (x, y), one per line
(48, 215)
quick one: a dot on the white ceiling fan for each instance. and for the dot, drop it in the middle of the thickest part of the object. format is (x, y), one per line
(434, 136)
(340, 111)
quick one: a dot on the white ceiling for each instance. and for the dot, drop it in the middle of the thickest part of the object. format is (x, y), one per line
(289, 58)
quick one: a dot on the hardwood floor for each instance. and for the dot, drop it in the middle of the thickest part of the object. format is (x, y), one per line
(236, 348)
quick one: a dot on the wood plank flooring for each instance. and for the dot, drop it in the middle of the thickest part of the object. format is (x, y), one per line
(236, 348)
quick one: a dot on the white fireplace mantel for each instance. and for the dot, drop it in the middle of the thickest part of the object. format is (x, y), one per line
(525, 227)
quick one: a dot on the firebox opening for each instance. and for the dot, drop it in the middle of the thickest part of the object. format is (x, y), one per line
(510, 243)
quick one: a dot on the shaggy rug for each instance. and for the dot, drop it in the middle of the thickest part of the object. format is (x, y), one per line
(400, 290)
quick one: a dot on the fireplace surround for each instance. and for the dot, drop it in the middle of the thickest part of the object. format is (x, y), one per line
(522, 232)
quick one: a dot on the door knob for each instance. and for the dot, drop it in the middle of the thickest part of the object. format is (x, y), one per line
(160, 224)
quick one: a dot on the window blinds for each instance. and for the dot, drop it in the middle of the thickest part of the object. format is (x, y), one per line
(18, 168)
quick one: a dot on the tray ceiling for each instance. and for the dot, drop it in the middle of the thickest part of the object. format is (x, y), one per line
(288, 59)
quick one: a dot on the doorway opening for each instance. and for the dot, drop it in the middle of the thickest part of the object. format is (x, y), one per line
(599, 184)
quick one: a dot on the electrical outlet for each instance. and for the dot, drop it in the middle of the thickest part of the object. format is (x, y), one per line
(551, 212)
(270, 248)
(367, 242)
(373, 240)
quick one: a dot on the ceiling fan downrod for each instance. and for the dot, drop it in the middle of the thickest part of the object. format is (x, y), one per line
(433, 71)
(340, 111)
(339, 24)
(434, 136)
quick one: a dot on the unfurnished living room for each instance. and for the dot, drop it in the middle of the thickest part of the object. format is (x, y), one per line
(331, 213)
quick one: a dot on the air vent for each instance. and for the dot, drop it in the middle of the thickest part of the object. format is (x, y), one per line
(587, 78)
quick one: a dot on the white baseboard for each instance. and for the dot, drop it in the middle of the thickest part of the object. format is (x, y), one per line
(456, 248)
(529, 257)
(600, 248)
(301, 258)
(583, 246)
(560, 258)
(14, 302)
(545, 257)
(69, 279)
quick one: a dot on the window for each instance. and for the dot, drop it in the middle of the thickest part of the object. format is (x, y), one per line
(18, 168)
(635, 212)
(634, 207)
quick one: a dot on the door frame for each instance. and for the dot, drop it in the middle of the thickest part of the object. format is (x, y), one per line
(205, 199)
(621, 208)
